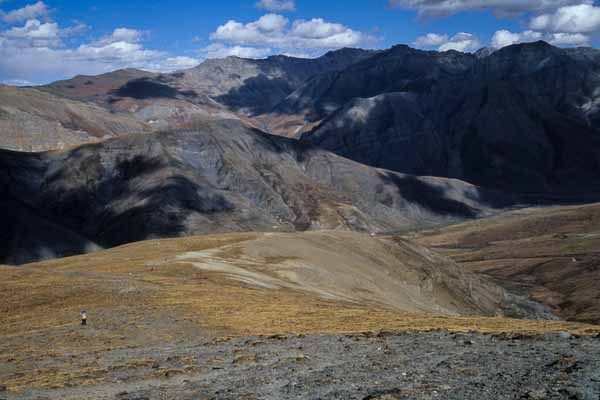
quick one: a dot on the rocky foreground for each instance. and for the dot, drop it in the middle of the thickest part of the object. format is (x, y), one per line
(434, 365)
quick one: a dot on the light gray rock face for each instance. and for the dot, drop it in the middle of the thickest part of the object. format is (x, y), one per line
(256, 86)
(222, 177)
(524, 119)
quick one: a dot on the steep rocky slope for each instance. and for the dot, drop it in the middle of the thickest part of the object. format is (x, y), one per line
(256, 86)
(221, 177)
(228, 88)
(32, 120)
(399, 68)
(550, 254)
(523, 119)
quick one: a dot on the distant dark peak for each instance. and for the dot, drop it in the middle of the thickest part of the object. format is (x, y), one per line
(145, 88)
(531, 47)
(400, 47)
(279, 57)
(527, 56)
(345, 51)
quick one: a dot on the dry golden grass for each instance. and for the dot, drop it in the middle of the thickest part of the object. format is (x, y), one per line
(135, 297)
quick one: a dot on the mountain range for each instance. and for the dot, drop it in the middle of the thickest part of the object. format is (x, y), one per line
(377, 141)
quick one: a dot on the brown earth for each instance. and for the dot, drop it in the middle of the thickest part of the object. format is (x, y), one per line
(551, 253)
(33, 120)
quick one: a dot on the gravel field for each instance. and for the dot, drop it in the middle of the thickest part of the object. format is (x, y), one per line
(386, 366)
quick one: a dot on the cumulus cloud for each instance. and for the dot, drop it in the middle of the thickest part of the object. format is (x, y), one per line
(581, 18)
(33, 46)
(431, 40)
(31, 11)
(36, 52)
(219, 50)
(559, 22)
(126, 35)
(444, 8)
(34, 34)
(569, 39)
(277, 5)
(505, 38)
(463, 41)
(277, 32)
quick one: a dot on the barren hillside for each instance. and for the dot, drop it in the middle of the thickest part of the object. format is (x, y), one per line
(551, 253)
(158, 294)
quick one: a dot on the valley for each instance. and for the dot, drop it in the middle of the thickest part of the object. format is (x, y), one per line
(368, 224)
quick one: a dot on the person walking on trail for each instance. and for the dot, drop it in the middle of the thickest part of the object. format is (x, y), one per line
(83, 318)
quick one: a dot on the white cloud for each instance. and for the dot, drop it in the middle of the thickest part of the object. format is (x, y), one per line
(277, 5)
(126, 35)
(505, 38)
(275, 31)
(37, 10)
(444, 8)
(462, 41)
(219, 50)
(34, 34)
(431, 40)
(569, 39)
(582, 18)
(465, 42)
(35, 52)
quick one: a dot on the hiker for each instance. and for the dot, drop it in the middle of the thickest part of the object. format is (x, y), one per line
(83, 318)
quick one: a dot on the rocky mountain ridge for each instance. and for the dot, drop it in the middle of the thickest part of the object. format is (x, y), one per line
(219, 177)
(523, 119)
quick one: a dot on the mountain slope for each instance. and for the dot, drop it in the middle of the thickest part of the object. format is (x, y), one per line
(550, 254)
(399, 68)
(223, 177)
(256, 86)
(229, 88)
(522, 119)
(146, 300)
(33, 120)
(95, 88)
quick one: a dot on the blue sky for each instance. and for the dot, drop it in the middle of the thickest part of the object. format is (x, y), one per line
(41, 41)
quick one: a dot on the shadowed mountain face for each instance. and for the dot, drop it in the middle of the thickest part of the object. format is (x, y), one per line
(524, 119)
(256, 86)
(400, 68)
(221, 177)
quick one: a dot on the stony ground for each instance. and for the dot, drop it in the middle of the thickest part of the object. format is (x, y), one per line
(386, 366)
